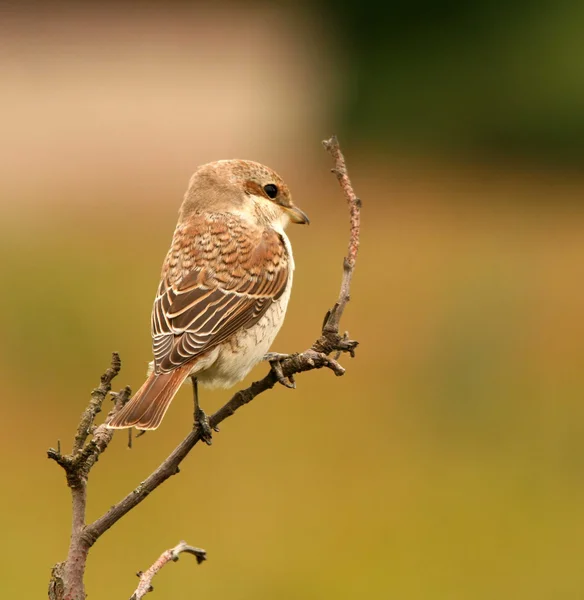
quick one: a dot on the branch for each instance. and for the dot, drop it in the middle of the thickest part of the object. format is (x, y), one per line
(147, 576)
(67, 579)
(331, 324)
(315, 357)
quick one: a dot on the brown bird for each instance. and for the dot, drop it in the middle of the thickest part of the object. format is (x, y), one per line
(224, 288)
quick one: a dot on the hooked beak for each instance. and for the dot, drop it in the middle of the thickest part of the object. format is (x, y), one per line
(298, 216)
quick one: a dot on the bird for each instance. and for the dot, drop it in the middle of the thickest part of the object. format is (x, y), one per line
(224, 288)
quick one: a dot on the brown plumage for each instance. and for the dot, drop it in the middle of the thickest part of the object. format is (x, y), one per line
(150, 403)
(224, 285)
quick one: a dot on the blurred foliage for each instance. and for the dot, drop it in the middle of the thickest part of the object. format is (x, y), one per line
(488, 77)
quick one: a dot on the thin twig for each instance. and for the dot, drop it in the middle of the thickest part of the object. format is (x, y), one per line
(172, 554)
(340, 170)
(97, 397)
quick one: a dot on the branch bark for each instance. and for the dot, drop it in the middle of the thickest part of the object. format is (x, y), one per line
(333, 319)
(146, 577)
(67, 577)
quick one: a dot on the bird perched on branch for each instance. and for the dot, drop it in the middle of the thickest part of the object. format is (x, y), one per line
(224, 288)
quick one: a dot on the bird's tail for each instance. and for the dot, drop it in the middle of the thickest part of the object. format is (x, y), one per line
(150, 403)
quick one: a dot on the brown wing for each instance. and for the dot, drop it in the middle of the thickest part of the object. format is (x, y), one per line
(220, 276)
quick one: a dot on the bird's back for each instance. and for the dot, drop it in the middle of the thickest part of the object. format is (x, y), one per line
(225, 285)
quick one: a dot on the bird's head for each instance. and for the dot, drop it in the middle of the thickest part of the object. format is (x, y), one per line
(244, 187)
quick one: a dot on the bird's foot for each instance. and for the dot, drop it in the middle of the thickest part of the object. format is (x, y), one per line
(275, 359)
(202, 424)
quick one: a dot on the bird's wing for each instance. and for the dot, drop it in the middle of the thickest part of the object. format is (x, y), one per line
(220, 276)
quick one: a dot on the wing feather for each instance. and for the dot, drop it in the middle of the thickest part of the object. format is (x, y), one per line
(220, 276)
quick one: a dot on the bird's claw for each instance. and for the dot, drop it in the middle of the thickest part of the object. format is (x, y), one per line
(202, 424)
(275, 359)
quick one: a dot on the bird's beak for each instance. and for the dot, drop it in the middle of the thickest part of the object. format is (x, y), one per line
(297, 216)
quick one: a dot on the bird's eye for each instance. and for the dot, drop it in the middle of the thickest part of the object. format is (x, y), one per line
(271, 190)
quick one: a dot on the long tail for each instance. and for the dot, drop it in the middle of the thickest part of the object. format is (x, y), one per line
(150, 403)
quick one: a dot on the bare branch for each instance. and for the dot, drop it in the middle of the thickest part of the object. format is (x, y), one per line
(172, 554)
(331, 324)
(306, 361)
(97, 397)
(67, 577)
(313, 358)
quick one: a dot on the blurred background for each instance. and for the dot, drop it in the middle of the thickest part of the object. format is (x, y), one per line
(449, 462)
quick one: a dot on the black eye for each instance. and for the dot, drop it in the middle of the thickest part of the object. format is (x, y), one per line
(271, 190)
